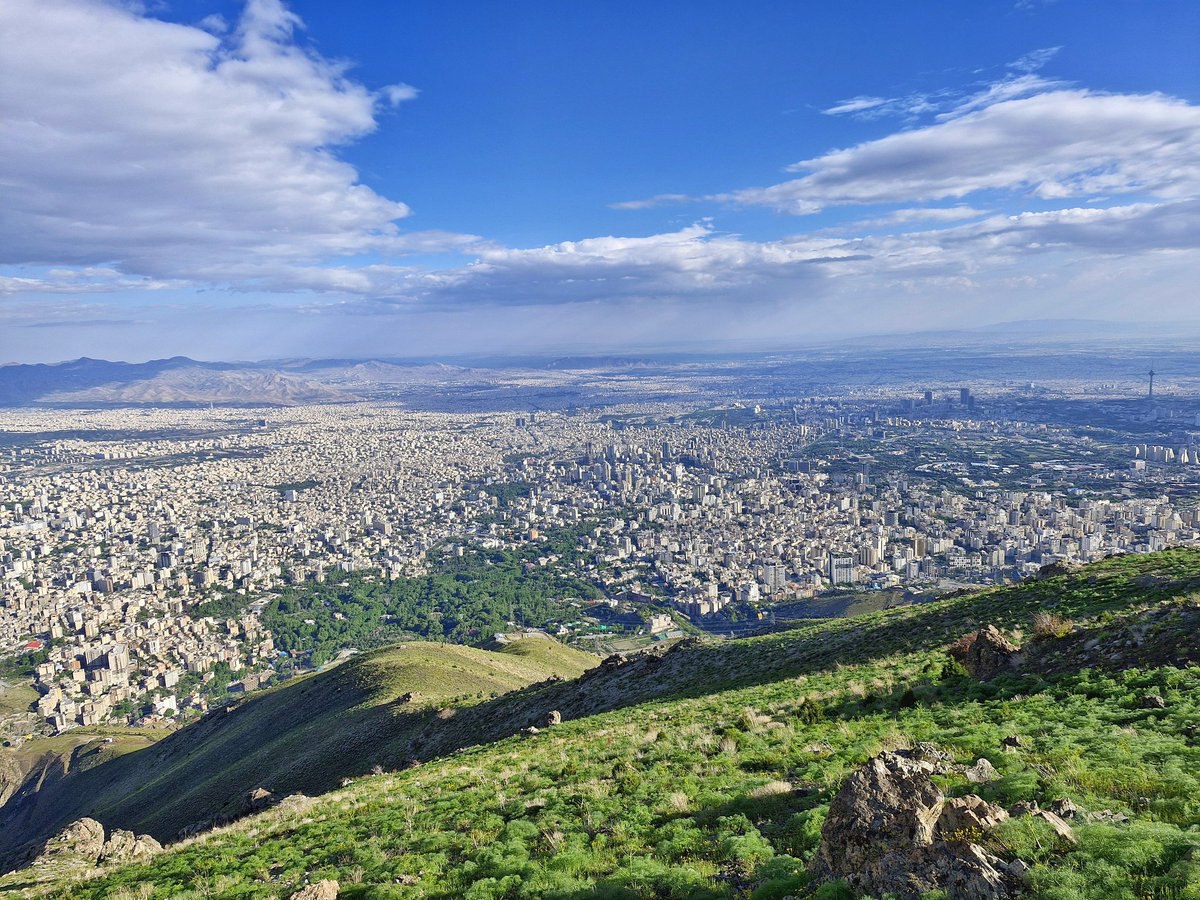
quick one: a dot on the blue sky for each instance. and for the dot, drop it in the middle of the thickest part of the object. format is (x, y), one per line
(230, 180)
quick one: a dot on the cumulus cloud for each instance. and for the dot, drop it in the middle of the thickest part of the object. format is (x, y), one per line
(172, 151)
(962, 251)
(167, 157)
(692, 263)
(1056, 144)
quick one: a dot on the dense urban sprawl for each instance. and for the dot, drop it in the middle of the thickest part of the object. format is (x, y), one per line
(117, 526)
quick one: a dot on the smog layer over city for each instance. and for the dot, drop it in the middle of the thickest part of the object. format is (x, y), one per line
(671, 450)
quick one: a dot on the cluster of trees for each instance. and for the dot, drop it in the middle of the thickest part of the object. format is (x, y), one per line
(465, 600)
(508, 491)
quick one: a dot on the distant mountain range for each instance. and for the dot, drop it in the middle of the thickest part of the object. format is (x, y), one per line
(1030, 349)
(183, 381)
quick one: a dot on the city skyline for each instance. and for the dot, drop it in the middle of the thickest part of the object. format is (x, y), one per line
(248, 181)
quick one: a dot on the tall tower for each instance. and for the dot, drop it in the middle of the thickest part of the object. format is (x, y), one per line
(1150, 395)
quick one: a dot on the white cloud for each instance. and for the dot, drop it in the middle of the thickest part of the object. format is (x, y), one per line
(856, 105)
(947, 102)
(1006, 89)
(909, 106)
(165, 157)
(1137, 261)
(1035, 60)
(1055, 144)
(922, 214)
(657, 200)
(398, 93)
(692, 263)
(168, 151)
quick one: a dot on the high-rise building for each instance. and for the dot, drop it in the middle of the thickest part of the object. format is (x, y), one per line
(842, 569)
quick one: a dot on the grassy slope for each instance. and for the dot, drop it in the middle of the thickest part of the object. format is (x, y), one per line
(303, 736)
(15, 698)
(707, 773)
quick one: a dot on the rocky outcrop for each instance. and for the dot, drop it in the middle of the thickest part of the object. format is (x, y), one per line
(929, 757)
(888, 806)
(1061, 567)
(982, 772)
(891, 831)
(322, 890)
(124, 845)
(12, 776)
(83, 839)
(257, 800)
(83, 844)
(986, 653)
(1065, 808)
(968, 818)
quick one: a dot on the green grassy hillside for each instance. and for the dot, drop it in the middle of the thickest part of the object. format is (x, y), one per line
(304, 736)
(707, 771)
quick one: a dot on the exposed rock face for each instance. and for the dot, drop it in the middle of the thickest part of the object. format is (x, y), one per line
(982, 772)
(966, 871)
(929, 757)
(967, 818)
(889, 802)
(609, 663)
(987, 653)
(1054, 569)
(83, 838)
(883, 812)
(890, 830)
(257, 800)
(83, 843)
(12, 776)
(124, 845)
(322, 890)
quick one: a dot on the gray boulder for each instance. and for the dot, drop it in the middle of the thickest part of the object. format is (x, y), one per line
(967, 818)
(982, 772)
(891, 831)
(987, 653)
(82, 839)
(124, 845)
